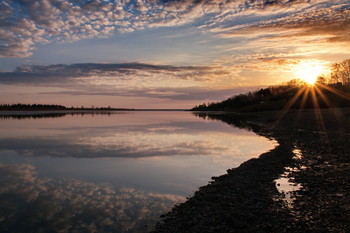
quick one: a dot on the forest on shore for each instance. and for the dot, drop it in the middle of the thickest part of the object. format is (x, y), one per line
(53, 107)
(327, 92)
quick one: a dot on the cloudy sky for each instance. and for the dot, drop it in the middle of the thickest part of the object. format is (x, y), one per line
(163, 54)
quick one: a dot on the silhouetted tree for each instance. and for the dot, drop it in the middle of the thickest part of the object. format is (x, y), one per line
(321, 79)
(340, 72)
(296, 83)
(277, 97)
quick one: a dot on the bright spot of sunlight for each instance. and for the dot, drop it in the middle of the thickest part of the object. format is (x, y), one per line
(309, 71)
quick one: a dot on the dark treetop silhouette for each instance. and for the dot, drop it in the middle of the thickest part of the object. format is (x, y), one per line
(327, 92)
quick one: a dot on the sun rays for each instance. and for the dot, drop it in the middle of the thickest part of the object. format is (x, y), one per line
(315, 96)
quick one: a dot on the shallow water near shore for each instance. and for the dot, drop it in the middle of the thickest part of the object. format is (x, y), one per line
(111, 172)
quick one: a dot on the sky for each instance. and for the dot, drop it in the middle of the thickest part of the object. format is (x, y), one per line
(163, 54)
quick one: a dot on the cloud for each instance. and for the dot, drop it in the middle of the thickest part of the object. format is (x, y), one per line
(248, 43)
(181, 83)
(55, 73)
(189, 93)
(321, 22)
(26, 23)
(314, 21)
(178, 83)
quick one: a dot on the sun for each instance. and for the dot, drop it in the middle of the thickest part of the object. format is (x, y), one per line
(309, 71)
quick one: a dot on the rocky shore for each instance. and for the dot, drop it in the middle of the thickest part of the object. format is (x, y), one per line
(302, 185)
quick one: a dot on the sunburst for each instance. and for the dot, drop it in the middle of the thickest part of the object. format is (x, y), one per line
(309, 71)
(315, 93)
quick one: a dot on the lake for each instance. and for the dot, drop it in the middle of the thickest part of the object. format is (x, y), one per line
(113, 172)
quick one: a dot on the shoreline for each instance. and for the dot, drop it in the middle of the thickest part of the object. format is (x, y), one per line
(79, 111)
(43, 112)
(22, 114)
(312, 155)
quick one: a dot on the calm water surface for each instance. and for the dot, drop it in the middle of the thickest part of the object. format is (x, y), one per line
(110, 173)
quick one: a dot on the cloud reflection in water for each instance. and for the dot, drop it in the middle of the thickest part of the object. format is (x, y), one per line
(110, 173)
(33, 204)
(139, 140)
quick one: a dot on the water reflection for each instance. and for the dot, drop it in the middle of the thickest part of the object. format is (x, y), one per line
(286, 184)
(19, 115)
(235, 119)
(31, 116)
(131, 139)
(110, 173)
(33, 204)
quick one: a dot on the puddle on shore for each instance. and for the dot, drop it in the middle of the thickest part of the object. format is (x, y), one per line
(286, 184)
(297, 154)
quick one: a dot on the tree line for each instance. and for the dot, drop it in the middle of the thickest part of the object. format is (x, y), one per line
(332, 91)
(49, 107)
(28, 107)
(278, 97)
(340, 73)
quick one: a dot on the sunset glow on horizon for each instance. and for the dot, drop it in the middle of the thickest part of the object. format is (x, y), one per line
(163, 54)
(310, 71)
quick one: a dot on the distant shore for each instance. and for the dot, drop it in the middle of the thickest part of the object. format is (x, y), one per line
(312, 155)
(78, 111)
